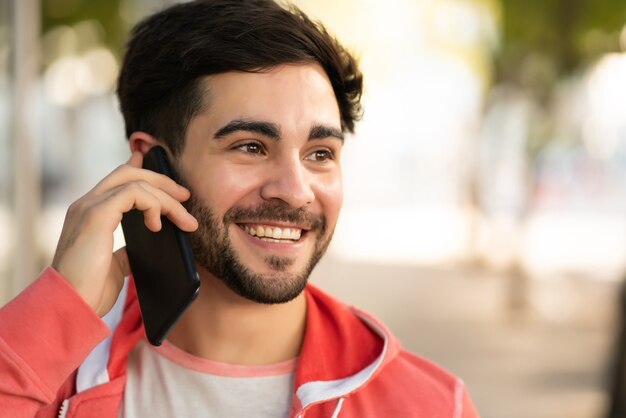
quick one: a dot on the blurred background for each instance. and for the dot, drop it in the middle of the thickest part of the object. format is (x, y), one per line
(485, 210)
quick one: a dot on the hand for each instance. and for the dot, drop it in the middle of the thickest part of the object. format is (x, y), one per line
(84, 254)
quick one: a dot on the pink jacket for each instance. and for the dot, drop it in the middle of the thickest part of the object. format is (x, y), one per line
(57, 358)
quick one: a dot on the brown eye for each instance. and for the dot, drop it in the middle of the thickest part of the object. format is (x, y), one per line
(320, 155)
(251, 148)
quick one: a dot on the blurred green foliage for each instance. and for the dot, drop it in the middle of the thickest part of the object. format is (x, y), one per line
(71, 12)
(544, 40)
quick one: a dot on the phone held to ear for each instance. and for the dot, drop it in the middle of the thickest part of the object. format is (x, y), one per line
(161, 262)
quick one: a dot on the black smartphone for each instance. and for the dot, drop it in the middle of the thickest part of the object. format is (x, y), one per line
(161, 262)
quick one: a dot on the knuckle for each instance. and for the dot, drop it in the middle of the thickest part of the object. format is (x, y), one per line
(73, 208)
(143, 184)
(76, 206)
(133, 187)
(117, 171)
(121, 168)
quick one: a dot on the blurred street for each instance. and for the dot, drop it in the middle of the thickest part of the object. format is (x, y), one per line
(516, 365)
(493, 130)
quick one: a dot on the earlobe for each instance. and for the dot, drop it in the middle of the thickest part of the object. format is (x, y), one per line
(141, 141)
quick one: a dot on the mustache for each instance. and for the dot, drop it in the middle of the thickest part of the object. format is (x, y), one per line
(276, 211)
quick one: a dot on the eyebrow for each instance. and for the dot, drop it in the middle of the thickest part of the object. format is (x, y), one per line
(323, 131)
(268, 129)
(271, 130)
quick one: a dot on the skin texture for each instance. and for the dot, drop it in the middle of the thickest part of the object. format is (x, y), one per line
(265, 151)
(280, 178)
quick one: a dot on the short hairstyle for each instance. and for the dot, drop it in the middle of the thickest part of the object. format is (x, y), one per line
(169, 53)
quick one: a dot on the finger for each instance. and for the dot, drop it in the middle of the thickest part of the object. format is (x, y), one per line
(152, 201)
(126, 174)
(135, 160)
(151, 207)
(169, 207)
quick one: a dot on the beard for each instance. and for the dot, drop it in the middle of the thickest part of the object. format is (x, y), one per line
(213, 250)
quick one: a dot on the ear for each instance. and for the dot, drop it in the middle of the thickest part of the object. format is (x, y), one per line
(142, 142)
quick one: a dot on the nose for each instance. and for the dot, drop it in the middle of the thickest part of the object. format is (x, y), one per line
(290, 181)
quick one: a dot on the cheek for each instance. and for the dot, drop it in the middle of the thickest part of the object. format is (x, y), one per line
(222, 189)
(330, 196)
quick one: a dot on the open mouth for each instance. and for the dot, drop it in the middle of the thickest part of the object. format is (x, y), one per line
(271, 233)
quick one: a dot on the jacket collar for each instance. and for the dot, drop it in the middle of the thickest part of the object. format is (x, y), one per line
(342, 350)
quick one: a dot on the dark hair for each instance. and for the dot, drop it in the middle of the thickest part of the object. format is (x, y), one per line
(169, 52)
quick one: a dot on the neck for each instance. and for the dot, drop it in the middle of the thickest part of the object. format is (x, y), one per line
(222, 326)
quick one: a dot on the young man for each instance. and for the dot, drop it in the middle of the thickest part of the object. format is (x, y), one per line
(250, 101)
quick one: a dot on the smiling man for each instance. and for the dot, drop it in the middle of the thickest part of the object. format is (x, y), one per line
(273, 178)
(251, 102)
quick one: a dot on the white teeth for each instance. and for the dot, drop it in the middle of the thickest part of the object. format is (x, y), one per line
(274, 234)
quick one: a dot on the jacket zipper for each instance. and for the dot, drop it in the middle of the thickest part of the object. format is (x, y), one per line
(64, 407)
(338, 407)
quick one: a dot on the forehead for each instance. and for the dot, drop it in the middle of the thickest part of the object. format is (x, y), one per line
(286, 92)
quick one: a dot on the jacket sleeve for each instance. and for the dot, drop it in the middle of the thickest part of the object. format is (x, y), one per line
(45, 334)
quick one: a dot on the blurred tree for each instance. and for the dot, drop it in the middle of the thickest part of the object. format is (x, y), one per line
(544, 42)
(70, 12)
(567, 34)
(541, 44)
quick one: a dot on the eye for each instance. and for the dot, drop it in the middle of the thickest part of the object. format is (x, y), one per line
(251, 148)
(320, 155)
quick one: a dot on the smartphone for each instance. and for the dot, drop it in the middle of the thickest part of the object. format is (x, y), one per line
(162, 263)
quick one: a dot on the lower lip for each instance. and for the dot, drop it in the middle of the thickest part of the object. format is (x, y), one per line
(276, 247)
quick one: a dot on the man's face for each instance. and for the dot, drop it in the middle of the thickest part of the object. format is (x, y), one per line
(262, 163)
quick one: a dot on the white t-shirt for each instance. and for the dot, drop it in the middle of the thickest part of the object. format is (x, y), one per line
(168, 382)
